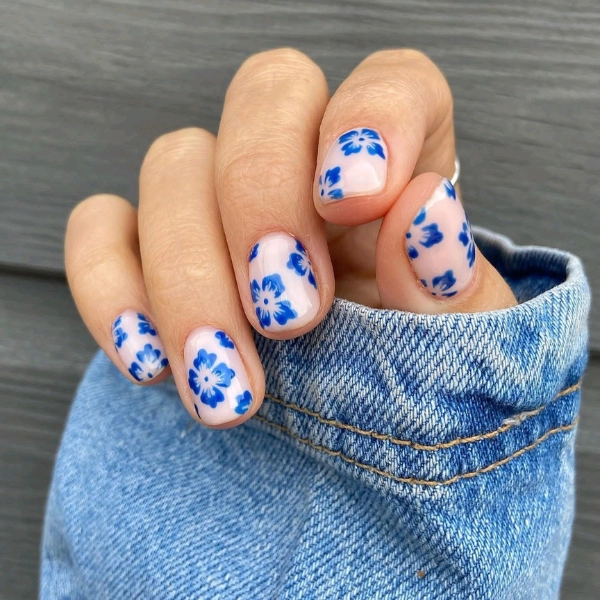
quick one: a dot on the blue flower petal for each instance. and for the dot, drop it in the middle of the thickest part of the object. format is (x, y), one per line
(375, 149)
(420, 217)
(224, 339)
(370, 133)
(144, 325)
(273, 283)
(450, 191)
(432, 235)
(193, 381)
(333, 176)
(224, 374)
(463, 236)
(263, 316)
(243, 403)
(253, 253)
(444, 282)
(211, 396)
(311, 279)
(295, 263)
(135, 371)
(351, 148)
(336, 194)
(204, 359)
(300, 247)
(148, 354)
(255, 290)
(284, 312)
(349, 135)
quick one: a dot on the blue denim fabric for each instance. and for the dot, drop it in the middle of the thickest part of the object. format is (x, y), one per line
(395, 456)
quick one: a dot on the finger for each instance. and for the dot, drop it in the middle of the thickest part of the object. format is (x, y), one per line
(427, 261)
(105, 275)
(390, 120)
(190, 282)
(264, 169)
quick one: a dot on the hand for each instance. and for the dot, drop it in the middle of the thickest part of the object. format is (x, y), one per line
(238, 231)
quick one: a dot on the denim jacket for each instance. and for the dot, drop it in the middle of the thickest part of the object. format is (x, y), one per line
(396, 455)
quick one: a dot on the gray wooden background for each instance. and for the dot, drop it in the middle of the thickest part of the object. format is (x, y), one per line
(85, 86)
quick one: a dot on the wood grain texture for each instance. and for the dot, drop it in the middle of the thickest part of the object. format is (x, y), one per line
(37, 319)
(85, 88)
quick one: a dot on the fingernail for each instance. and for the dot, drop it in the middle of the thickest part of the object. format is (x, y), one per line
(440, 244)
(139, 346)
(282, 283)
(356, 165)
(216, 376)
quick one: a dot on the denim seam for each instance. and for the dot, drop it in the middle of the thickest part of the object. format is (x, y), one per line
(412, 480)
(509, 423)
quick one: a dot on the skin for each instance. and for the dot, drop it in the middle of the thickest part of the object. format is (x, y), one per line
(182, 258)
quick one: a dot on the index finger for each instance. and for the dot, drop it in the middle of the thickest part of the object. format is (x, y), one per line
(389, 121)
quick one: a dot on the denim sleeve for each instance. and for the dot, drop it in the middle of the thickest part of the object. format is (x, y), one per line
(395, 456)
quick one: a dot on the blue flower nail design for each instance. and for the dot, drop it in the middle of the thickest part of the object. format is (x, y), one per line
(267, 305)
(224, 339)
(442, 283)
(329, 184)
(148, 364)
(300, 263)
(436, 242)
(253, 253)
(144, 326)
(431, 235)
(466, 239)
(353, 142)
(207, 380)
(420, 217)
(243, 403)
(119, 335)
(450, 191)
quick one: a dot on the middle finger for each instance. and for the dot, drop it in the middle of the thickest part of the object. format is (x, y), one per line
(266, 152)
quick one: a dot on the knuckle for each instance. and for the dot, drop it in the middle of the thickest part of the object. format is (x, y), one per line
(177, 144)
(174, 271)
(257, 172)
(271, 60)
(96, 204)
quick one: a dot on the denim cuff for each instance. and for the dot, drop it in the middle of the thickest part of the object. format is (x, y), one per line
(434, 399)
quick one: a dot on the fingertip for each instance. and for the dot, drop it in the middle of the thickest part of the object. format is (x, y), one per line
(427, 260)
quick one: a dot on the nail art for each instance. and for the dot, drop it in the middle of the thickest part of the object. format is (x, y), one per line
(440, 244)
(139, 346)
(356, 165)
(216, 376)
(282, 283)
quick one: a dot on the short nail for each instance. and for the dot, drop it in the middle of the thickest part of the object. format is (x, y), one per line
(216, 376)
(356, 165)
(440, 245)
(282, 283)
(139, 346)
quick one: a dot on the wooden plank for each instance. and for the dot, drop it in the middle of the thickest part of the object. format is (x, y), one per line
(85, 88)
(43, 352)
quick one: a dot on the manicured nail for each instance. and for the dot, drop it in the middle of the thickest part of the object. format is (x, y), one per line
(139, 346)
(216, 376)
(440, 245)
(356, 165)
(282, 283)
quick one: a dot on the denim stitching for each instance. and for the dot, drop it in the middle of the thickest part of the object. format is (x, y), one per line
(431, 448)
(412, 480)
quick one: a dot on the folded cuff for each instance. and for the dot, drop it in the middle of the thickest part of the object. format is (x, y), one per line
(433, 399)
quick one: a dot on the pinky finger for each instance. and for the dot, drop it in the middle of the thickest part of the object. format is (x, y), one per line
(105, 275)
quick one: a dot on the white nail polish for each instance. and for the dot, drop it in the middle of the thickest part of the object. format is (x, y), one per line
(216, 376)
(440, 245)
(356, 165)
(139, 346)
(282, 283)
